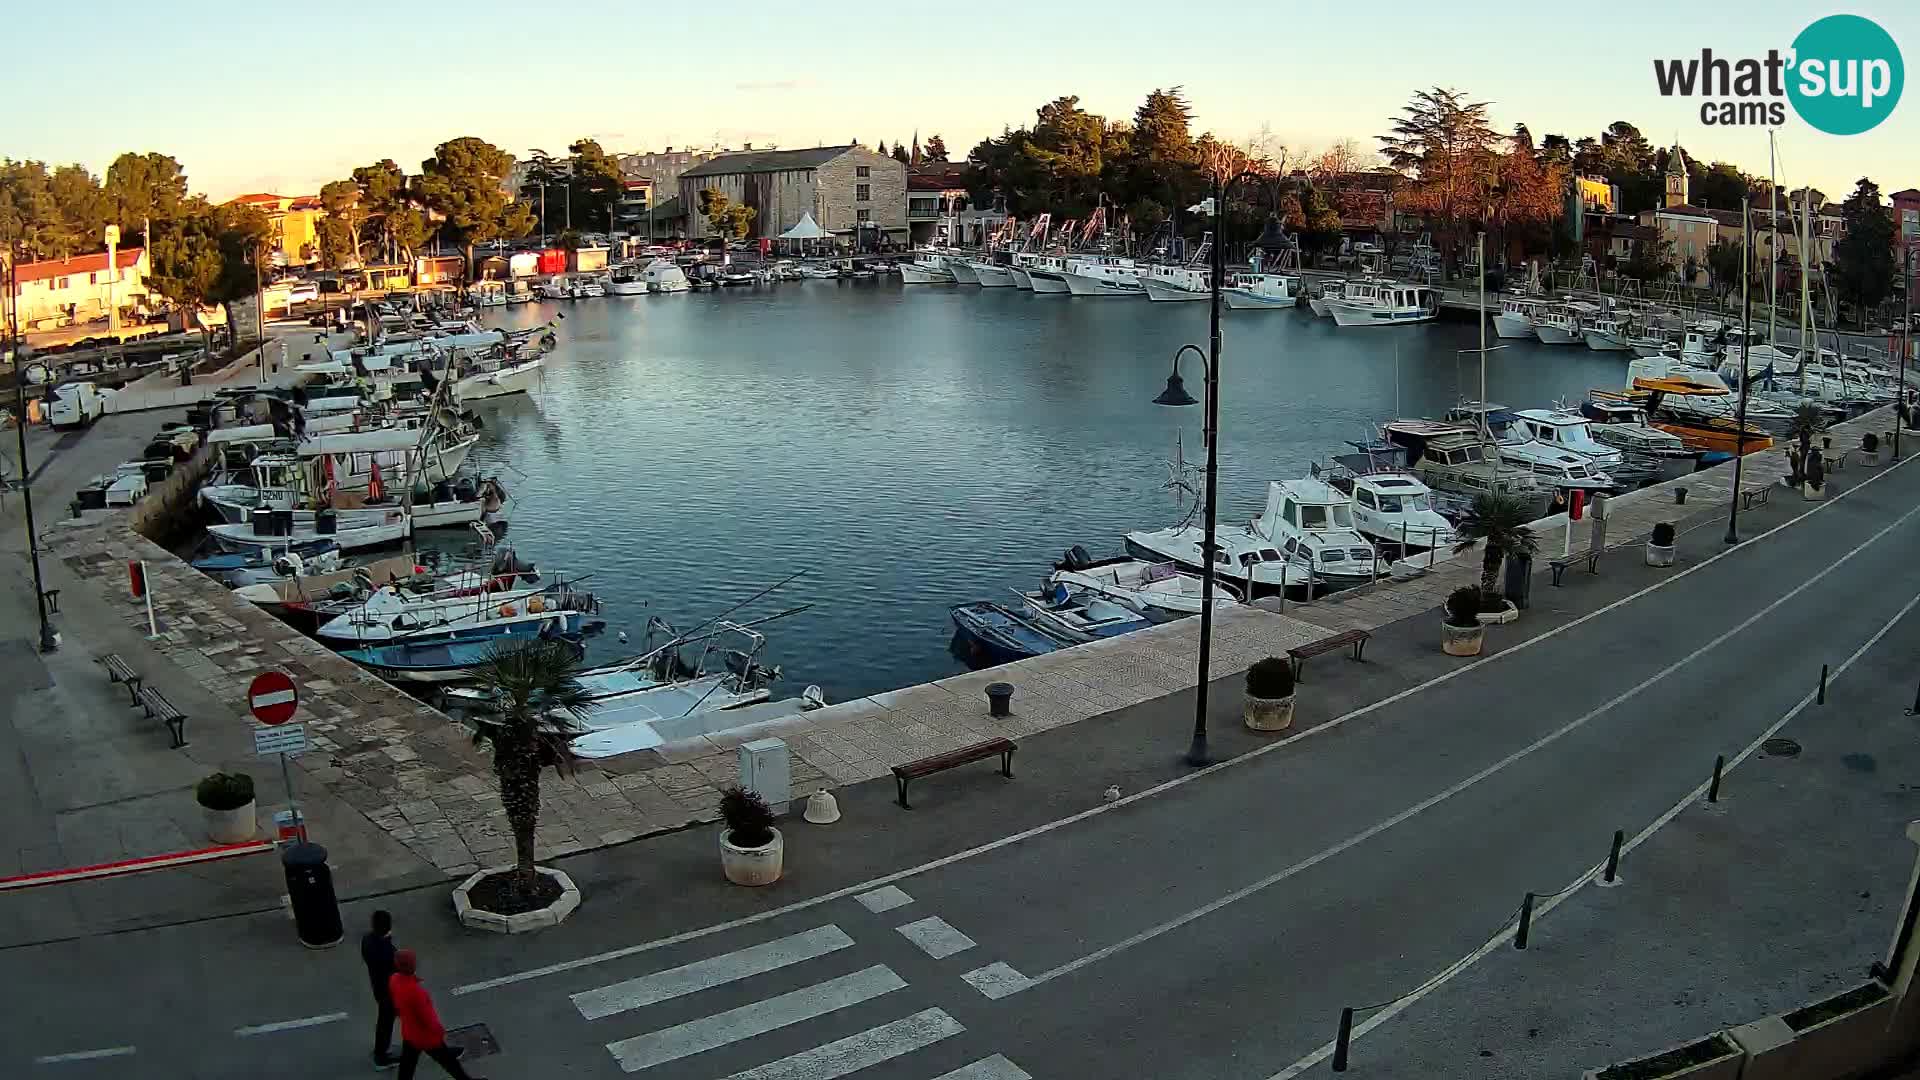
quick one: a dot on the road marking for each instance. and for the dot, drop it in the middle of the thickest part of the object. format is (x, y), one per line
(856, 1052)
(289, 1025)
(936, 937)
(84, 1055)
(1162, 788)
(996, 980)
(1446, 975)
(1431, 801)
(709, 973)
(758, 1018)
(884, 899)
(989, 1068)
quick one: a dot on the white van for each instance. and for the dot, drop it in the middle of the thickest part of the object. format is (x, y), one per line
(77, 404)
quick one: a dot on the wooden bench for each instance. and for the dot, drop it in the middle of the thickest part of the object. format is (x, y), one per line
(1834, 461)
(1590, 556)
(1300, 654)
(119, 672)
(953, 759)
(1758, 493)
(158, 707)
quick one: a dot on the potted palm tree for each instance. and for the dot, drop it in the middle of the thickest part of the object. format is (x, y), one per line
(1269, 704)
(1461, 632)
(751, 849)
(1660, 545)
(1808, 421)
(1814, 487)
(1500, 521)
(1870, 450)
(227, 799)
(535, 698)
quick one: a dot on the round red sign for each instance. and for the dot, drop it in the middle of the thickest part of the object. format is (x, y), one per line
(272, 698)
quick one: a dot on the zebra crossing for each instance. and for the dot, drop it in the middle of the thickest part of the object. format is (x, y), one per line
(788, 1011)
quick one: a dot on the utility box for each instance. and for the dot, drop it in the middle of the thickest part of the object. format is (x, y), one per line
(765, 770)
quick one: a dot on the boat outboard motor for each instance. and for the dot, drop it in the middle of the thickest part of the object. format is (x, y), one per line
(464, 490)
(1075, 558)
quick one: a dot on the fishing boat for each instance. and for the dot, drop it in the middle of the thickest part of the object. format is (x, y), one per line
(1392, 507)
(1172, 284)
(1251, 562)
(237, 570)
(1391, 304)
(269, 529)
(992, 275)
(662, 276)
(1517, 316)
(1609, 335)
(1079, 616)
(1312, 524)
(1104, 276)
(469, 605)
(1159, 588)
(986, 634)
(926, 269)
(1329, 292)
(1558, 467)
(1457, 459)
(1044, 272)
(625, 281)
(1255, 292)
(498, 378)
(446, 660)
(1562, 325)
(302, 600)
(1623, 425)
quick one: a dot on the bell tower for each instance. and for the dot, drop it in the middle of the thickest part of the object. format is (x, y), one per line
(1676, 177)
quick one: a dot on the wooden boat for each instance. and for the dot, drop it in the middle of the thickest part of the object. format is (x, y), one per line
(1708, 433)
(446, 660)
(986, 634)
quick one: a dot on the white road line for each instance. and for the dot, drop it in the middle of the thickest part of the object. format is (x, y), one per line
(884, 899)
(289, 1025)
(1158, 789)
(855, 1052)
(1431, 801)
(936, 937)
(1641, 837)
(84, 1055)
(996, 980)
(706, 974)
(989, 1068)
(758, 1018)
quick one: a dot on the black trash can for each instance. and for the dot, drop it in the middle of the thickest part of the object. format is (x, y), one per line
(1518, 582)
(1000, 699)
(316, 914)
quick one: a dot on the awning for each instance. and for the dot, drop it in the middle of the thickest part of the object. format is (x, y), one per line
(806, 229)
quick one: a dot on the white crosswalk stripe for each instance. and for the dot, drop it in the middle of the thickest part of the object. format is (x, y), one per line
(990, 1068)
(936, 937)
(758, 1018)
(855, 1052)
(706, 974)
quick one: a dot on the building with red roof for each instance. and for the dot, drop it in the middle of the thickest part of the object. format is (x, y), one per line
(60, 292)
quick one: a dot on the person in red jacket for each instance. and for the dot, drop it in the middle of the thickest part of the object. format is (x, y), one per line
(420, 1029)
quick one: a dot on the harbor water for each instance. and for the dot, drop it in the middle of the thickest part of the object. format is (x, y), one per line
(912, 448)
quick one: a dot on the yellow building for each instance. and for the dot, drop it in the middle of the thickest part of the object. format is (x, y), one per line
(296, 225)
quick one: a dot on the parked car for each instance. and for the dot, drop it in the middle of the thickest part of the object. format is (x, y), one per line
(77, 404)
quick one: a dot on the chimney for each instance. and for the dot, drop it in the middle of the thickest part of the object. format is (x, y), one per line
(749, 146)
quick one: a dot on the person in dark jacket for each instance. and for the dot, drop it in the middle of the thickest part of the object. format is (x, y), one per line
(420, 1028)
(376, 949)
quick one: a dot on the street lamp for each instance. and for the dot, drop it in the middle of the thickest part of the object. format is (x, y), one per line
(21, 365)
(1746, 377)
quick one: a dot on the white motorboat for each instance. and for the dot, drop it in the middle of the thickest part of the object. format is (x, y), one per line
(925, 271)
(1456, 459)
(472, 605)
(553, 288)
(1250, 561)
(1104, 276)
(1517, 316)
(1392, 507)
(1609, 335)
(487, 294)
(1254, 292)
(1312, 523)
(499, 379)
(586, 287)
(662, 276)
(1388, 304)
(519, 292)
(1020, 278)
(1560, 324)
(625, 281)
(1045, 273)
(1143, 586)
(1178, 283)
(1556, 465)
(992, 275)
(1568, 430)
(266, 529)
(1329, 292)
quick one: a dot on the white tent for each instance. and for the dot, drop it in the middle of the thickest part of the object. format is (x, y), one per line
(806, 229)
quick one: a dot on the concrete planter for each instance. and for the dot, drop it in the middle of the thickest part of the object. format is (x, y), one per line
(1461, 640)
(1658, 555)
(1813, 494)
(231, 826)
(1268, 714)
(1725, 1065)
(1869, 459)
(1794, 1045)
(1505, 615)
(552, 915)
(752, 866)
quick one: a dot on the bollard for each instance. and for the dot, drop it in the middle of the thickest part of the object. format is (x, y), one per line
(1915, 711)
(999, 699)
(1341, 1040)
(1679, 496)
(1613, 856)
(1822, 700)
(1526, 922)
(1713, 789)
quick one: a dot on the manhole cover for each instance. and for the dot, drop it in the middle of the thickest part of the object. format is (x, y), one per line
(476, 1039)
(1781, 747)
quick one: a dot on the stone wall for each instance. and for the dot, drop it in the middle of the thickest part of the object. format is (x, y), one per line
(887, 195)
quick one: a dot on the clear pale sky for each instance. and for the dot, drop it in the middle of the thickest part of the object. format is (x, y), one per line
(282, 98)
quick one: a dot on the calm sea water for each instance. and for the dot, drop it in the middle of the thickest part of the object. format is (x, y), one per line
(913, 448)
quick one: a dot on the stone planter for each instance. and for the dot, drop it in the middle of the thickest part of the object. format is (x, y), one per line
(1869, 459)
(1813, 494)
(539, 919)
(1724, 1064)
(1268, 714)
(1461, 640)
(231, 826)
(1506, 614)
(1806, 1042)
(751, 866)
(1658, 555)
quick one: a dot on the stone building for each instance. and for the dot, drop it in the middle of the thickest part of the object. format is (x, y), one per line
(852, 192)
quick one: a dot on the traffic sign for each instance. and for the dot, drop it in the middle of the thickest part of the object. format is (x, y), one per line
(281, 739)
(272, 697)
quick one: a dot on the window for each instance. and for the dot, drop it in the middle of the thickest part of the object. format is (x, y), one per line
(1364, 498)
(864, 215)
(60, 283)
(1313, 517)
(93, 279)
(862, 192)
(863, 170)
(1290, 512)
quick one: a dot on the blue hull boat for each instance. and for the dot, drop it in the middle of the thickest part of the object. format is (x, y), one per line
(986, 634)
(443, 660)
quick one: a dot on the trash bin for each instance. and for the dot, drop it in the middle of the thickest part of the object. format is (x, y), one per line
(1000, 699)
(316, 914)
(1679, 496)
(326, 522)
(1518, 582)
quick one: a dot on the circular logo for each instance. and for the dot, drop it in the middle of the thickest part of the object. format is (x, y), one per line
(1846, 76)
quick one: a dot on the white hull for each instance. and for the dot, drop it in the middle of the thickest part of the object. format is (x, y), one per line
(1020, 278)
(1088, 285)
(493, 384)
(992, 276)
(1367, 315)
(1047, 281)
(962, 272)
(1600, 341)
(1242, 300)
(242, 537)
(1554, 335)
(1161, 290)
(1512, 326)
(1319, 306)
(626, 288)
(922, 274)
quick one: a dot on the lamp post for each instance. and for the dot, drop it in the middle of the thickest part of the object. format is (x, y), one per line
(1746, 336)
(1906, 348)
(48, 642)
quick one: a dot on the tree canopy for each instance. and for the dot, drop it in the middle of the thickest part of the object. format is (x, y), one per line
(1863, 264)
(936, 149)
(596, 182)
(726, 219)
(465, 182)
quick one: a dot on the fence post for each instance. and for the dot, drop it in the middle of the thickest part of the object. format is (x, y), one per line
(1340, 1041)
(1526, 923)
(1823, 685)
(1613, 857)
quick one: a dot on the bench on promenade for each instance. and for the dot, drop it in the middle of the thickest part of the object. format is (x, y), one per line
(159, 708)
(1589, 555)
(953, 759)
(1755, 494)
(118, 671)
(1300, 654)
(1834, 460)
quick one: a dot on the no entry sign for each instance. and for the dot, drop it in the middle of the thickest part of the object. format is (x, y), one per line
(272, 698)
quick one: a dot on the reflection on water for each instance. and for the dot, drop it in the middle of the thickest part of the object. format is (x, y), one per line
(913, 448)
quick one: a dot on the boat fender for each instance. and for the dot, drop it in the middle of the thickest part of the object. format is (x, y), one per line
(534, 606)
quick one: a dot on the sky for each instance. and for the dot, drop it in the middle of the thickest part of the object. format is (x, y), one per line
(283, 99)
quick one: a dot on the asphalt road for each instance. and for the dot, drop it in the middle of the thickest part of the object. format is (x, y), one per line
(1209, 929)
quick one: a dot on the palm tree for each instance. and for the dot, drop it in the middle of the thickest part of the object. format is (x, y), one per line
(1807, 422)
(1501, 521)
(533, 690)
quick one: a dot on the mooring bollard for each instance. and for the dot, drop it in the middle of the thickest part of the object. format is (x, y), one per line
(1915, 711)
(1526, 923)
(1713, 789)
(1823, 686)
(1679, 496)
(1613, 856)
(1341, 1040)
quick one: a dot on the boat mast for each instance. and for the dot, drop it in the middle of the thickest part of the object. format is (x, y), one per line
(1480, 256)
(1773, 248)
(1806, 297)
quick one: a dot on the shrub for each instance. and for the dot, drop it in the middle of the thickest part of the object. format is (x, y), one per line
(1270, 679)
(224, 791)
(1463, 606)
(1663, 534)
(749, 819)
(1870, 443)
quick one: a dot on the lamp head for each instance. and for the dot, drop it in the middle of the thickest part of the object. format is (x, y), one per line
(1176, 393)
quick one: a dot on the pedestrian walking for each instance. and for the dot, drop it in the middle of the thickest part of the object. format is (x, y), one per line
(420, 1029)
(376, 950)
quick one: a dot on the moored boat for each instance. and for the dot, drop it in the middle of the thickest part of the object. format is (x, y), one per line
(986, 634)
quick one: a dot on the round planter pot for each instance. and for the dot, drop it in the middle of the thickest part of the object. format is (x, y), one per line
(1506, 614)
(1269, 714)
(553, 914)
(1869, 459)
(1461, 640)
(1811, 493)
(751, 866)
(231, 826)
(1659, 556)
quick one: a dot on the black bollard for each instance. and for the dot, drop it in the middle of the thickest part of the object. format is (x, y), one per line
(316, 914)
(1915, 711)
(1613, 856)
(999, 699)
(1823, 686)
(1679, 496)
(1713, 789)
(1340, 1041)
(1526, 923)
